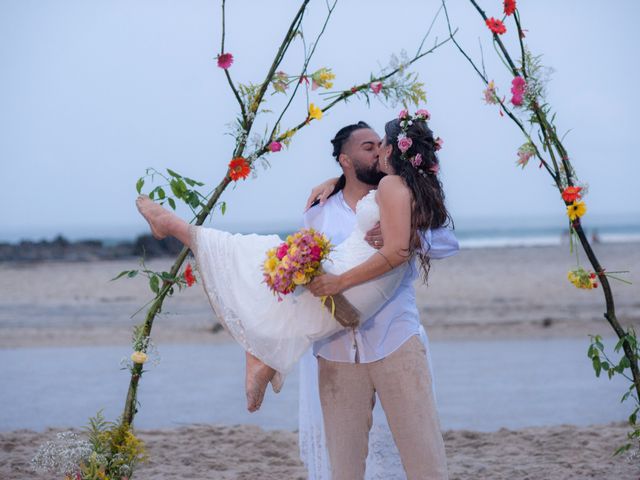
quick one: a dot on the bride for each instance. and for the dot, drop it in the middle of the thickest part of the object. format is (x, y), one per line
(274, 333)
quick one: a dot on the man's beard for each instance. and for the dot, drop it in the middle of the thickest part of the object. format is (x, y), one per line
(369, 175)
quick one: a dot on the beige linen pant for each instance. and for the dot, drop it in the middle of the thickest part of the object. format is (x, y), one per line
(402, 381)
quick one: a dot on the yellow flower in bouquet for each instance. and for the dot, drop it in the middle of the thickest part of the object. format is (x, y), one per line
(299, 278)
(270, 263)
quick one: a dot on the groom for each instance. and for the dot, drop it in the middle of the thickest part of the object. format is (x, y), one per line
(384, 355)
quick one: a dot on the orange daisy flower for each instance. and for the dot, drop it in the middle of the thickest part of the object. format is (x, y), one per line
(239, 168)
(571, 194)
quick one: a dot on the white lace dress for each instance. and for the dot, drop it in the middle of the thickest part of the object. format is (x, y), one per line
(279, 332)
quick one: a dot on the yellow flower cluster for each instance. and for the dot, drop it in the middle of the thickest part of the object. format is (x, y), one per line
(323, 78)
(114, 446)
(287, 137)
(582, 279)
(315, 112)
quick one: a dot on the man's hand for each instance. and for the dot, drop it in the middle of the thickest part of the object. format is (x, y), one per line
(321, 192)
(326, 284)
(374, 237)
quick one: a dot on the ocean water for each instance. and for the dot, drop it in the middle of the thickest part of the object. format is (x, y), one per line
(479, 385)
(523, 236)
(474, 232)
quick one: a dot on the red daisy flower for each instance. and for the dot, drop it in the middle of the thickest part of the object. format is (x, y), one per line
(496, 26)
(509, 7)
(189, 277)
(225, 60)
(239, 168)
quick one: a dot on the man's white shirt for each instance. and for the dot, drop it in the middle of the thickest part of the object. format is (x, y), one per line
(398, 320)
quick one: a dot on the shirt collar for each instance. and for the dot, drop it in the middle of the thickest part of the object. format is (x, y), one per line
(343, 203)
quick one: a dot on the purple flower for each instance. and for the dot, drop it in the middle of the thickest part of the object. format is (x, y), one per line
(275, 146)
(417, 160)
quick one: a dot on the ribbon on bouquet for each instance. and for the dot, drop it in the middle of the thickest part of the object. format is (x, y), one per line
(342, 310)
(323, 300)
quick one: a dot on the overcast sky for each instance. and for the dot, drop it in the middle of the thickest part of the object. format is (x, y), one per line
(93, 92)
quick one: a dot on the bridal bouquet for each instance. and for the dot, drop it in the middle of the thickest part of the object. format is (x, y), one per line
(295, 261)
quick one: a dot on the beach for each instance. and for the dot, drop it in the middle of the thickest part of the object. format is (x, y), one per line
(505, 300)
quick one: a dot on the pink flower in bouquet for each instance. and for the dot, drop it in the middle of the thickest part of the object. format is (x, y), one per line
(438, 143)
(423, 113)
(517, 100)
(225, 60)
(403, 114)
(376, 87)
(316, 253)
(275, 146)
(404, 143)
(518, 85)
(282, 251)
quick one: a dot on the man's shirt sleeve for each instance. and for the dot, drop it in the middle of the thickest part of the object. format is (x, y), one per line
(439, 243)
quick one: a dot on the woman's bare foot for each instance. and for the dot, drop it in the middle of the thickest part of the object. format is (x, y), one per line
(257, 378)
(156, 216)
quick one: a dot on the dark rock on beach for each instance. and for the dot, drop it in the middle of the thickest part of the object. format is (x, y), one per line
(86, 250)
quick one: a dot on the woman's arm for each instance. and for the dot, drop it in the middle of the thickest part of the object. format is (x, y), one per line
(321, 192)
(394, 200)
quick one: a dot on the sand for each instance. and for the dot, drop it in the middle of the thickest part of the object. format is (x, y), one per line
(479, 294)
(248, 452)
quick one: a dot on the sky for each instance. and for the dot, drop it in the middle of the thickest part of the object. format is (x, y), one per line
(93, 93)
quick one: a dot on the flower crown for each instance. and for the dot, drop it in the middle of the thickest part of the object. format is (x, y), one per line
(405, 142)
